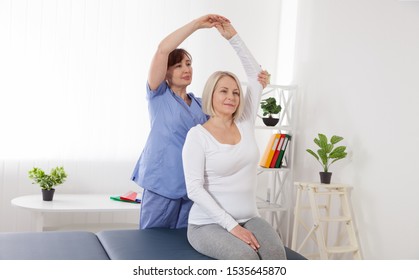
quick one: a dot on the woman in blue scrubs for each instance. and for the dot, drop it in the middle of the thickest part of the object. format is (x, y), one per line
(173, 111)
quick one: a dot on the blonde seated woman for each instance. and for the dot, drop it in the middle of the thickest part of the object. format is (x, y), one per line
(220, 161)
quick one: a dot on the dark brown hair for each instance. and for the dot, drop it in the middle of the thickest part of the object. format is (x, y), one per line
(176, 56)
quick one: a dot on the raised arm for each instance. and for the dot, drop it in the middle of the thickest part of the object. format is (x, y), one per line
(257, 79)
(158, 67)
(227, 30)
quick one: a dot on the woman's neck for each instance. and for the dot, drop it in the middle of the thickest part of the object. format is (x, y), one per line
(222, 121)
(224, 130)
(181, 92)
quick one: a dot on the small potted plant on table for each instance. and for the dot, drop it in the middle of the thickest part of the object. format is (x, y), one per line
(270, 107)
(47, 182)
(327, 154)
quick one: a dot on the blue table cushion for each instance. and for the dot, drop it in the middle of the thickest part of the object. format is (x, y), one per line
(156, 244)
(148, 244)
(73, 245)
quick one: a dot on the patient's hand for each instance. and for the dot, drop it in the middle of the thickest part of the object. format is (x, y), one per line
(246, 236)
(264, 78)
(226, 29)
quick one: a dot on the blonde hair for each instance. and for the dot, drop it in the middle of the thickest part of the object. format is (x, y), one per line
(209, 89)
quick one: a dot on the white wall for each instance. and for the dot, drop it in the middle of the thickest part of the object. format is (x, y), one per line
(357, 65)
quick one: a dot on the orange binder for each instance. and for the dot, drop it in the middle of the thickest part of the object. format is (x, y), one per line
(277, 151)
(266, 159)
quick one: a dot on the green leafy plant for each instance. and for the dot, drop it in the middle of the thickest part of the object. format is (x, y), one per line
(328, 154)
(269, 106)
(48, 181)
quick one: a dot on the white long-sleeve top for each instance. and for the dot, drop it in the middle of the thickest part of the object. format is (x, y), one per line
(221, 179)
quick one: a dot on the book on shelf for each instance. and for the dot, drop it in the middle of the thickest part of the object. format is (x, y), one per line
(270, 149)
(277, 151)
(287, 139)
(130, 196)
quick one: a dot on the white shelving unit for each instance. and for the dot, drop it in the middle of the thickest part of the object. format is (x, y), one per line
(275, 200)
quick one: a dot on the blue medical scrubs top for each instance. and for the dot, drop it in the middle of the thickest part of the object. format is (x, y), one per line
(159, 168)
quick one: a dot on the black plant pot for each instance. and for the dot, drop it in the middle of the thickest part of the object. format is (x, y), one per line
(48, 195)
(270, 121)
(325, 177)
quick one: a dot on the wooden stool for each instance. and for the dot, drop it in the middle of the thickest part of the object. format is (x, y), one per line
(320, 197)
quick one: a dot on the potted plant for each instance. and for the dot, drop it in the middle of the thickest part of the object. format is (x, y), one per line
(269, 107)
(47, 182)
(327, 154)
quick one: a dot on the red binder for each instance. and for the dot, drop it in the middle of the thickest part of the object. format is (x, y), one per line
(277, 151)
(130, 196)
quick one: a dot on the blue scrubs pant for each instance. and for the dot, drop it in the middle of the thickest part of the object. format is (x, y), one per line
(161, 212)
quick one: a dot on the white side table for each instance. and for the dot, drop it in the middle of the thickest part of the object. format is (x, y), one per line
(71, 203)
(319, 205)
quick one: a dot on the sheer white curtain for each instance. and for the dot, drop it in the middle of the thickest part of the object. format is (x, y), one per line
(73, 73)
(73, 77)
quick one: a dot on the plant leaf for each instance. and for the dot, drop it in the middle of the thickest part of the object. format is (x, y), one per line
(323, 156)
(317, 141)
(338, 159)
(313, 154)
(335, 139)
(328, 148)
(337, 152)
(323, 141)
